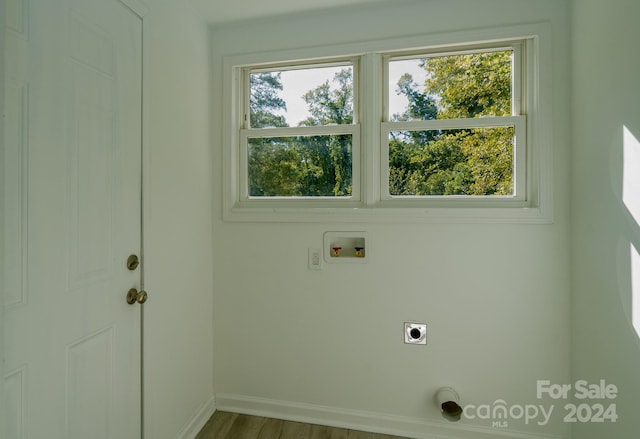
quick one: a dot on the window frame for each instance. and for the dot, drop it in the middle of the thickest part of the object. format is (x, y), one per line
(247, 132)
(517, 120)
(372, 205)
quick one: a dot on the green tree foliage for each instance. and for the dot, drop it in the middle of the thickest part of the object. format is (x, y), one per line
(328, 104)
(408, 156)
(455, 162)
(471, 85)
(264, 100)
(421, 106)
(275, 167)
(331, 105)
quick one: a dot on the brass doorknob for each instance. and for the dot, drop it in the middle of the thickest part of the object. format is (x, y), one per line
(134, 296)
(142, 297)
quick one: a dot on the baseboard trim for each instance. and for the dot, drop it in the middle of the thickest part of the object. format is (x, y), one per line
(361, 420)
(195, 424)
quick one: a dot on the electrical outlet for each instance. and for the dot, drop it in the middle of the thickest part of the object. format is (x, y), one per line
(415, 333)
(315, 259)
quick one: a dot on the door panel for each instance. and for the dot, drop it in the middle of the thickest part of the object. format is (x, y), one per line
(72, 217)
(90, 384)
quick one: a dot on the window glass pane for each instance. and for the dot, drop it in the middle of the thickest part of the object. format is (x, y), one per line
(451, 86)
(300, 166)
(472, 162)
(301, 97)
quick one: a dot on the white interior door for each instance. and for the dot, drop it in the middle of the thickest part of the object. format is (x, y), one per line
(72, 217)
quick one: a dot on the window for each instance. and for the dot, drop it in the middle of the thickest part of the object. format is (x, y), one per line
(458, 132)
(300, 134)
(437, 132)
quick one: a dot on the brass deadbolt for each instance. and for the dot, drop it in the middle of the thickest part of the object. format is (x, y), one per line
(133, 262)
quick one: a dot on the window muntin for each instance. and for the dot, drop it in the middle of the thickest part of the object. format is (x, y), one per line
(299, 139)
(459, 133)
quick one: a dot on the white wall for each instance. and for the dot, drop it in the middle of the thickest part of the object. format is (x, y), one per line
(178, 216)
(495, 296)
(605, 99)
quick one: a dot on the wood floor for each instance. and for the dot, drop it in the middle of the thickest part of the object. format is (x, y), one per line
(225, 425)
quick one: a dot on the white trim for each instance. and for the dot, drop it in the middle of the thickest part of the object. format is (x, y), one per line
(315, 130)
(199, 419)
(537, 209)
(387, 215)
(365, 421)
(138, 7)
(419, 42)
(371, 95)
(2, 220)
(447, 124)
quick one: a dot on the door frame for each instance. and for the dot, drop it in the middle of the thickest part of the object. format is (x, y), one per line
(2, 134)
(141, 10)
(2, 140)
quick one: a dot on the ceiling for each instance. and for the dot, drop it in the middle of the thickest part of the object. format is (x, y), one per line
(225, 11)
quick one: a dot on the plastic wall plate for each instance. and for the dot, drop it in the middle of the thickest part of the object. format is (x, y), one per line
(346, 247)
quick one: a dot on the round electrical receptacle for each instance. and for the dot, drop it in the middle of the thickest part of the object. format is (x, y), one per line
(415, 333)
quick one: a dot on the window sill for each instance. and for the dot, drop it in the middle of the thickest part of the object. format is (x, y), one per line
(429, 215)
